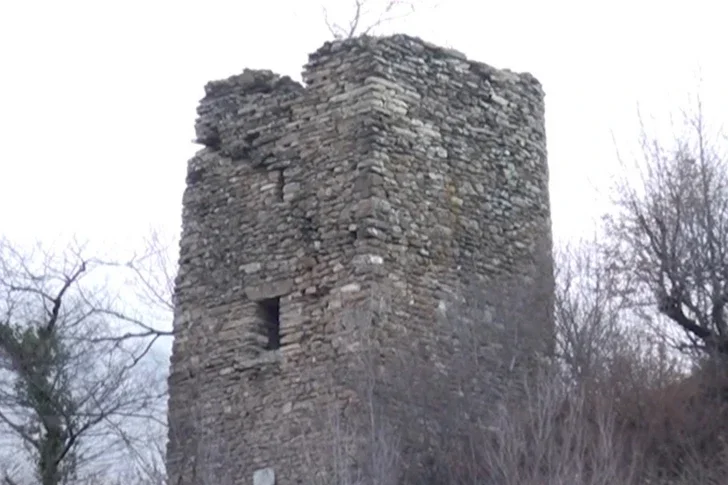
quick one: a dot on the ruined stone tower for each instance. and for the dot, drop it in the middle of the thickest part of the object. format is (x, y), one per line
(399, 174)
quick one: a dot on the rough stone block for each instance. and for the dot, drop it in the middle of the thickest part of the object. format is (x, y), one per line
(264, 476)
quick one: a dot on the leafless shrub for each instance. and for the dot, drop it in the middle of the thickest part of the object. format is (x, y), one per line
(677, 423)
(606, 408)
(557, 435)
(363, 445)
(516, 415)
(430, 404)
(614, 430)
(703, 470)
(368, 15)
(153, 272)
(356, 453)
(589, 312)
(612, 407)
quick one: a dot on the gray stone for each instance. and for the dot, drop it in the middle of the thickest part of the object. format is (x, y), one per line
(264, 476)
(269, 289)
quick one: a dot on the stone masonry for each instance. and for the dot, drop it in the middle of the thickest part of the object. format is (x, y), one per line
(400, 172)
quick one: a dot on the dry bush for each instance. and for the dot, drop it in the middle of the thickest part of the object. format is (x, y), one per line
(616, 430)
(366, 16)
(356, 453)
(679, 425)
(550, 434)
(416, 407)
(360, 444)
(611, 407)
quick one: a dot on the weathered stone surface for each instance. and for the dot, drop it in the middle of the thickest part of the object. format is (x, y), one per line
(400, 169)
(264, 476)
(269, 289)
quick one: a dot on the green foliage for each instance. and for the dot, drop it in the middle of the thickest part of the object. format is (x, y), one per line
(42, 386)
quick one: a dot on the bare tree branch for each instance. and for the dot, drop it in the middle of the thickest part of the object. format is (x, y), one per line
(359, 22)
(668, 235)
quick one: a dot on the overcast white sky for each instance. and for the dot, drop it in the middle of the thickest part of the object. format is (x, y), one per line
(98, 98)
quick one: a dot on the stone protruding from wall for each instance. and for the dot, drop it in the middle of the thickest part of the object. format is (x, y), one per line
(264, 476)
(401, 170)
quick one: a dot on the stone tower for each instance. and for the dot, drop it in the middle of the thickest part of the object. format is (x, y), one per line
(401, 172)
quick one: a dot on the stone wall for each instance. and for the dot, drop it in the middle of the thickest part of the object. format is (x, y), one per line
(400, 171)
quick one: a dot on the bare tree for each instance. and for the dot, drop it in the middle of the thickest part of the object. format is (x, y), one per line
(368, 15)
(668, 238)
(77, 387)
(591, 314)
(153, 272)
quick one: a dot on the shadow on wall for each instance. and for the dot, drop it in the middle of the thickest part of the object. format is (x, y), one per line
(405, 414)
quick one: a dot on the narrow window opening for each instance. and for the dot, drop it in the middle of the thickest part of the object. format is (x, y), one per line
(281, 183)
(270, 314)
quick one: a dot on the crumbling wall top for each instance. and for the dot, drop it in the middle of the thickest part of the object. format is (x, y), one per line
(233, 106)
(236, 105)
(407, 44)
(251, 81)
